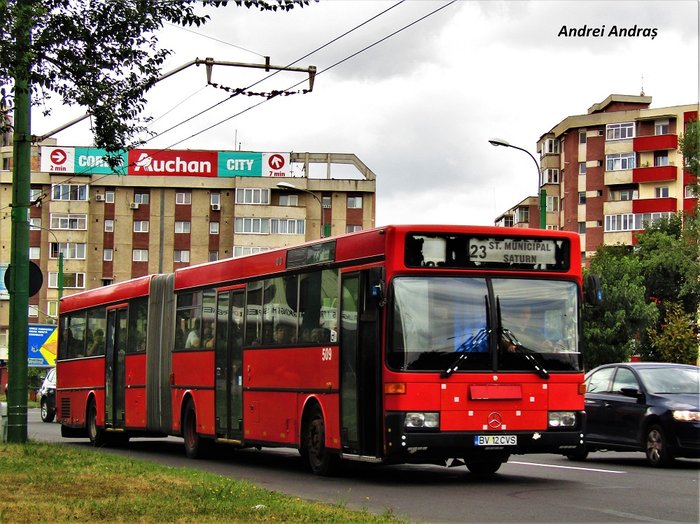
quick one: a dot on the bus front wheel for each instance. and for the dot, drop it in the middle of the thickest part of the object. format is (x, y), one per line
(484, 468)
(320, 459)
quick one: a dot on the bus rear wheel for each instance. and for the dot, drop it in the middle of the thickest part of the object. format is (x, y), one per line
(95, 434)
(320, 459)
(195, 446)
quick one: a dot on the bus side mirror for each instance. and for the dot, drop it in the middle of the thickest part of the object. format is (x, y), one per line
(592, 290)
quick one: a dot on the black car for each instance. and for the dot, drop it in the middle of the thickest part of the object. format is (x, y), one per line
(47, 396)
(643, 406)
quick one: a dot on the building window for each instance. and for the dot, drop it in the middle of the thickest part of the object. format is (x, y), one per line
(661, 127)
(289, 200)
(213, 228)
(352, 228)
(107, 281)
(354, 202)
(581, 168)
(69, 192)
(252, 195)
(35, 194)
(108, 254)
(239, 251)
(215, 199)
(139, 255)
(522, 214)
(213, 256)
(284, 226)
(690, 192)
(582, 136)
(620, 195)
(661, 158)
(661, 192)
(70, 280)
(109, 197)
(68, 221)
(70, 250)
(550, 147)
(183, 199)
(140, 226)
(619, 161)
(259, 226)
(52, 309)
(181, 255)
(109, 225)
(142, 198)
(581, 197)
(550, 176)
(326, 202)
(619, 131)
(35, 253)
(33, 310)
(633, 222)
(552, 204)
(182, 227)
(581, 227)
(35, 224)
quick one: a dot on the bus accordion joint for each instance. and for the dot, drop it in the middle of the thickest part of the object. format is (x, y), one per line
(395, 388)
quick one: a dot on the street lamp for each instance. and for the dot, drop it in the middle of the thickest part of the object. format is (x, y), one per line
(291, 187)
(542, 206)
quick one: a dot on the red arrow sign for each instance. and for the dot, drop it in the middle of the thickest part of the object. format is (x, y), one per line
(276, 161)
(58, 156)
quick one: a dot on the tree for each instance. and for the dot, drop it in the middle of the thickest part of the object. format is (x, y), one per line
(689, 146)
(676, 339)
(102, 55)
(611, 330)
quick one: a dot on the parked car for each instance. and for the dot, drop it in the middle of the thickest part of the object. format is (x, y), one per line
(47, 396)
(643, 406)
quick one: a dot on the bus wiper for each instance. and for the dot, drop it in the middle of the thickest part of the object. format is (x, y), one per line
(464, 349)
(517, 347)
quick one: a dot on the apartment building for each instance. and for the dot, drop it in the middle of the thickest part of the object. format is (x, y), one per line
(163, 210)
(609, 172)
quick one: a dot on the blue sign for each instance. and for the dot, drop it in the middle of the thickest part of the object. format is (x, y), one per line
(42, 342)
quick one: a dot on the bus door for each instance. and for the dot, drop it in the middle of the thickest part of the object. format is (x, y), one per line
(117, 321)
(228, 361)
(360, 363)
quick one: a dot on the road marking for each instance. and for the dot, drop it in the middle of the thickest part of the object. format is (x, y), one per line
(567, 467)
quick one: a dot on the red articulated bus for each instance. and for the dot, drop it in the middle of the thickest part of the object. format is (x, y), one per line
(401, 344)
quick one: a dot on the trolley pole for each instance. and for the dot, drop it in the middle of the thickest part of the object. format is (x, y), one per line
(19, 257)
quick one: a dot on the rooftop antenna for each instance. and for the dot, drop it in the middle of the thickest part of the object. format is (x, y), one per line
(642, 91)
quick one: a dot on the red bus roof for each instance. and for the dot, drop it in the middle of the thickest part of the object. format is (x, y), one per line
(112, 294)
(370, 244)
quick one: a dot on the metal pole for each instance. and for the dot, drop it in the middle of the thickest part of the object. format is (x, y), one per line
(19, 278)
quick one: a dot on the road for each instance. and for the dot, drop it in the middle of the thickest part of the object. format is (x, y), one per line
(608, 487)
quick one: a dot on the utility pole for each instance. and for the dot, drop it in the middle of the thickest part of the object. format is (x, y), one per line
(19, 258)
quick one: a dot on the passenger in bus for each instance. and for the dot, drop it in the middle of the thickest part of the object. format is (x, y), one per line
(98, 342)
(209, 336)
(282, 334)
(193, 340)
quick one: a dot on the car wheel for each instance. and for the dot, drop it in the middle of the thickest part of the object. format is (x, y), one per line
(578, 455)
(321, 461)
(656, 447)
(47, 414)
(95, 434)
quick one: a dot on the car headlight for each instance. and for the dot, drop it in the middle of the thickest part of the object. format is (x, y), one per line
(562, 419)
(686, 416)
(422, 420)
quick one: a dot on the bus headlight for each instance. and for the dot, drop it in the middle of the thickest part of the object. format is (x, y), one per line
(422, 420)
(562, 419)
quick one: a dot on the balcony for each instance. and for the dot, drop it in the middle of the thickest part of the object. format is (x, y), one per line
(655, 143)
(654, 174)
(654, 205)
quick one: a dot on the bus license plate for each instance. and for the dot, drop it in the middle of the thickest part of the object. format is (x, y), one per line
(496, 440)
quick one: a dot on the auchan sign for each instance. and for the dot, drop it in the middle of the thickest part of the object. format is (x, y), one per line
(154, 162)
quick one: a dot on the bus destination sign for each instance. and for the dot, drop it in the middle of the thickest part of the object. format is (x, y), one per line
(512, 251)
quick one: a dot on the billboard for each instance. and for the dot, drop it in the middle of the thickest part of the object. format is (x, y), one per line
(42, 342)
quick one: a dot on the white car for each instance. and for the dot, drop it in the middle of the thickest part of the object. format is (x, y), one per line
(47, 396)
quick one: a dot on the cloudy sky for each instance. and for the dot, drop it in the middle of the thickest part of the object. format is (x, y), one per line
(418, 107)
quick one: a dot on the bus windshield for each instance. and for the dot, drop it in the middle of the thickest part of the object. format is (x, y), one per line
(484, 324)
